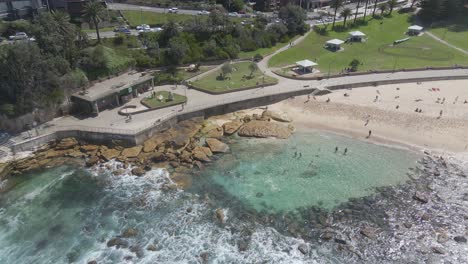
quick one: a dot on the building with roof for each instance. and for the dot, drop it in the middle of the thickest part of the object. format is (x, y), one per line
(334, 44)
(16, 9)
(306, 66)
(111, 93)
(357, 36)
(414, 30)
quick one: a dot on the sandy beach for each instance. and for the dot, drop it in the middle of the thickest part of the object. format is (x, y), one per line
(389, 111)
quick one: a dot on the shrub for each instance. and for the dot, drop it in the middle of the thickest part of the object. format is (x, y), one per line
(258, 57)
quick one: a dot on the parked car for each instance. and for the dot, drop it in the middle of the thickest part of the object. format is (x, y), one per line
(143, 27)
(203, 12)
(19, 36)
(173, 10)
(233, 14)
(120, 29)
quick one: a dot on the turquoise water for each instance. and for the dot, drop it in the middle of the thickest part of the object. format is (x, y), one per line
(67, 214)
(281, 175)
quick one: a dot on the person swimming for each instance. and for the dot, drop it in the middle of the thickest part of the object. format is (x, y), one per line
(336, 149)
(345, 151)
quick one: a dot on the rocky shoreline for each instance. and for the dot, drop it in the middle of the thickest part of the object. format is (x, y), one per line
(185, 146)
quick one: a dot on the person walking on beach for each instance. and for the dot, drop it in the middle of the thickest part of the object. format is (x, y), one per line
(440, 114)
(370, 133)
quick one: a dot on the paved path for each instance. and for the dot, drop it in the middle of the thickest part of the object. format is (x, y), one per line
(445, 42)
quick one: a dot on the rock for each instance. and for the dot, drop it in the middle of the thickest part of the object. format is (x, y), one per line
(407, 225)
(327, 235)
(92, 262)
(211, 130)
(438, 250)
(460, 239)
(242, 245)
(368, 232)
(259, 195)
(189, 210)
(89, 148)
(442, 238)
(75, 153)
(340, 241)
(205, 150)
(131, 152)
(110, 154)
(118, 172)
(149, 146)
(66, 143)
(93, 160)
(54, 153)
(217, 146)
(220, 215)
(129, 232)
(138, 171)
(421, 197)
(182, 180)
(137, 250)
(231, 127)
(277, 116)
(200, 155)
(303, 249)
(426, 217)
(151, 247)
(174, 164)
(204, 256)
(117, 242)
(264, 129)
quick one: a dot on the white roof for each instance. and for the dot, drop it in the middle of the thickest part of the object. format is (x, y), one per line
(335, 42)
(357, 34)
(306, 63)
(415, 27)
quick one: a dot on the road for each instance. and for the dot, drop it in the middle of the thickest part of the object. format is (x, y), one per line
(148, 9)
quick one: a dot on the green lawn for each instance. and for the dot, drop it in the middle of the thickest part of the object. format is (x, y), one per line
(264, 51)
(239, 79)
(377, 53)
(136, 18)
(455, 34)
(154, 103)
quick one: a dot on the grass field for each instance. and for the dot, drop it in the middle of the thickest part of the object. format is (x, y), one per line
(455, 34)
(264, 51)
(163, 77)
(154, 103)
(377, 53)
(240, 78)
(136, 18)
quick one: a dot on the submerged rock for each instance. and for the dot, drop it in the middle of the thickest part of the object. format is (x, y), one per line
(117, 242)
(129, 232)
(460, 239)
(421, 197)
(368, 232)
(220, 215)
(438, 250)
(138, 171)
(151, 247)
(303, 249)
(264, 129)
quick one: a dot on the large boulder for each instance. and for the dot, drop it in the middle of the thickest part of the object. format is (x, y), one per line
(200, 155)
(110, 154)
(138, 171)
(66, 143)
(131, 152)
(231, 127)
(205, 150)
(93, 160)
(182, 180)
(264, 129)
(149, 146)
(277, 116)
(217, 146)
(89, 148)
(212, 130)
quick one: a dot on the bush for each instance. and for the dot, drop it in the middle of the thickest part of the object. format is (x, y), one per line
(354, 64)
(258, 57)
(7, 109)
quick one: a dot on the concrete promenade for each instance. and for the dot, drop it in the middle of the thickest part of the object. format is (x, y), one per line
(111, 123)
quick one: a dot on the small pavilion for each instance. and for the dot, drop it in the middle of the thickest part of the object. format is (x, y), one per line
(414, 30)
(334, 44)
(306, 65)
(357, 36)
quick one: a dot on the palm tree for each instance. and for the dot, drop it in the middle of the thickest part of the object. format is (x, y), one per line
(382, 8)
(94, 12)
(345, 14)
(391, 5)
(375, 7)
(365, 10)
(357, 8)
(335, 4)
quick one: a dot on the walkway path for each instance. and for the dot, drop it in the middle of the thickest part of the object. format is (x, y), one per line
(445, 42)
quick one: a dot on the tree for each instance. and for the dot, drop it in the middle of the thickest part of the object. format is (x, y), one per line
(365, 10)
(382, 8)
(357, 8)
(391, 5)
(294, 17)
(345, 14)
(237, 5)
(375, 7)
(177, 50)
(94, 12)
(335, 4)
(253, 67)
(226, 69)
(354, 65)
